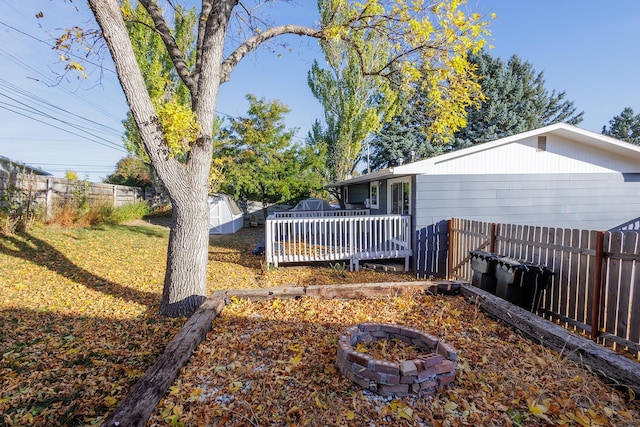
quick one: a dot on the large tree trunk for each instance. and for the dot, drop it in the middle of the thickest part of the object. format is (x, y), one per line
(186, 183)
(187, 255)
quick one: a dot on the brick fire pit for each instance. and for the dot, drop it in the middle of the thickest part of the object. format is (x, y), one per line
(433, 369)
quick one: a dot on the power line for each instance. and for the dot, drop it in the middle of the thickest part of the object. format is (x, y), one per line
(97, 126)
(75, 165)
(43, 114)
(112, 146)
(53, 46)
(48, 81)
(46, 78)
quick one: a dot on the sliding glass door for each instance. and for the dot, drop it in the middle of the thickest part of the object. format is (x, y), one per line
(400, 193)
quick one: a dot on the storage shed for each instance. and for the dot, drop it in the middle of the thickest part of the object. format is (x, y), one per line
(225, 217)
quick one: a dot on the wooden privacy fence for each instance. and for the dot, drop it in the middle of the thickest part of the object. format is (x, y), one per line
(337, 238)
(596, 282)
(46, 191)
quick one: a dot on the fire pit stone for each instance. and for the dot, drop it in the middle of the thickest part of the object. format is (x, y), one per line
(431, 370)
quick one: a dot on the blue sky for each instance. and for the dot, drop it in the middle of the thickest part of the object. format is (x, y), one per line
(588, 49)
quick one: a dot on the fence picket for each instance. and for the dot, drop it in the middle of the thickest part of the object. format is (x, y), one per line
(571, 255)
(634, 299)
(583, 282)
(574, 263)
(627, 267)
(613, 285)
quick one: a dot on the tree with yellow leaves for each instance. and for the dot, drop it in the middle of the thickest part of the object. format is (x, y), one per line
(424, 42)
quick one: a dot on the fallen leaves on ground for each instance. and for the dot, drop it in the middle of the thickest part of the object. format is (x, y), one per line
(271, 363)
(233, 266)
(78, 321)
(78, 313)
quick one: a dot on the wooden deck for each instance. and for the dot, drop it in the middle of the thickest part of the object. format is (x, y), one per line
(339, 237)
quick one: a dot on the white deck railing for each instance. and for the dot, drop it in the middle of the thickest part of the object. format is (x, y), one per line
(337, 238)
(321, 214)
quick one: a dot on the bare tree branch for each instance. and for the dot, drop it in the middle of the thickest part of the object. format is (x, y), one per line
(207, 6)
(252, 43)
(174, 51)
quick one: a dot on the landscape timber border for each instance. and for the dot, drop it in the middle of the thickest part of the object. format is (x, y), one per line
(138, 405)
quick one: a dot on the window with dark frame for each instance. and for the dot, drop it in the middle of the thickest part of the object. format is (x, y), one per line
(542, 143)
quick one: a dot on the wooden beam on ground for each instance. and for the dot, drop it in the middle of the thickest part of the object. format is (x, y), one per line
(141, 401)
(283, 292)
(347, 291)
(619, 370)
(379, 290)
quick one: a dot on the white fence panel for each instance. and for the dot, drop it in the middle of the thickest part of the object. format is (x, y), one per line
(337, 238)
(321, 214)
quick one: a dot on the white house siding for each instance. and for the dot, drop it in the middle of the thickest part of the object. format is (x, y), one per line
(522, 156)
(578, 200)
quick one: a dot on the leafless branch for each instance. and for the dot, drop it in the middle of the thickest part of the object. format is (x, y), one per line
(174, 51)
(252, 43)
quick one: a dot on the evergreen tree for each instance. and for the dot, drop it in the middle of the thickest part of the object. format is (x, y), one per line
(625, 126)
(402, 139)
(516, 100)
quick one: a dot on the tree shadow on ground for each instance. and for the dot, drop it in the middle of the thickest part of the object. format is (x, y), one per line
(65, 370)
(237, 248)
(30, 248)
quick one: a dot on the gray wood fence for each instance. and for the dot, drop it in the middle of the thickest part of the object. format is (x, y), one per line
(47, 191)
(596, 283)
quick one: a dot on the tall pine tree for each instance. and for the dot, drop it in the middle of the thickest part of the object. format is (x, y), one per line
(515, 100)
(625, 126)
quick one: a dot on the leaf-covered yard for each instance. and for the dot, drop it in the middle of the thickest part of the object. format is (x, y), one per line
(78, 313)
(78, 327)
(272, 363)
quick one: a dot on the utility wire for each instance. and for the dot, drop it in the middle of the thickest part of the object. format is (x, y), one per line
(53, 46)
(111, 145)
(43, 114)
(97, 126)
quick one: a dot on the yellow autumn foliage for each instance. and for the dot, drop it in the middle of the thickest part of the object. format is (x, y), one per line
(179, 125)
(428, 46)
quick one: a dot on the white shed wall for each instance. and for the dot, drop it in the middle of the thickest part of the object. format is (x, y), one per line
(222, 218)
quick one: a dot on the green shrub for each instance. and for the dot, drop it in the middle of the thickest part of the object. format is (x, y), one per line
(98, 213)
(137, 210)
